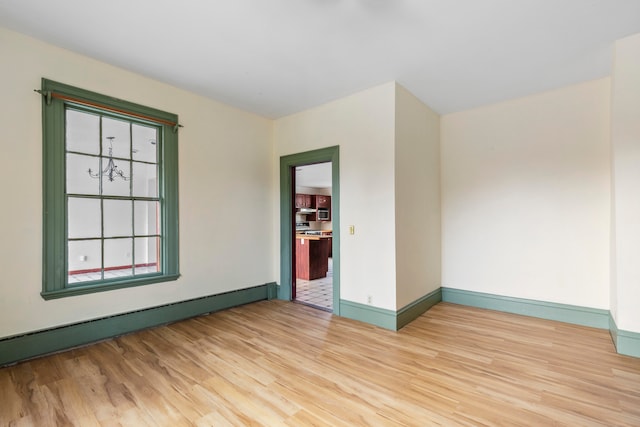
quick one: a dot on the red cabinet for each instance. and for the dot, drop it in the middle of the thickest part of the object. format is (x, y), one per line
(313, 201)
(305, 201)
(324, 208)
(323, 201)
(312, 258)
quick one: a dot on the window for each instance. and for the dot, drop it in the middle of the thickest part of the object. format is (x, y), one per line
(110, 186)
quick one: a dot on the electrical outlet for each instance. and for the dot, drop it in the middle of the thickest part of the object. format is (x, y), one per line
(368, 299)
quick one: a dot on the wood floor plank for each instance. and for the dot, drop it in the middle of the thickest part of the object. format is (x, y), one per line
(275, 363)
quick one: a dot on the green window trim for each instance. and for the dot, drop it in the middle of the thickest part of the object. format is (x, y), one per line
(55, 253)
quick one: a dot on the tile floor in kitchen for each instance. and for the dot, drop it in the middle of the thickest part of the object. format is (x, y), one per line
(317, 293)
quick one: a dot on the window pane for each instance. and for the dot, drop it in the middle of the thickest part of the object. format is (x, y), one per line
(115, 181)
(117, 258)
(84, 217)
(146, 218)
(83, 132)
(85, 261)
(145, 140)
(145, 180)
(79, 171)
(146, 251)
(116, 137)
(118, 215)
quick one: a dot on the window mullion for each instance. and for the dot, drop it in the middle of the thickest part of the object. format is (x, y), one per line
(133, 213)
(101, 192)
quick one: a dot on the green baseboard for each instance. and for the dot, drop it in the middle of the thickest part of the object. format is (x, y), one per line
(368, 314)
(412, 311)
(626, 342)
(585, 316)
(26, 346)
(272, 290)
(389, 319)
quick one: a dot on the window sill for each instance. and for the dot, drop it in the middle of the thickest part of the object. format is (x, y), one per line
(107, 286)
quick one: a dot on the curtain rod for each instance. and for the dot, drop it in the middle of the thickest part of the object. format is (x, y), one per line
(49, 94)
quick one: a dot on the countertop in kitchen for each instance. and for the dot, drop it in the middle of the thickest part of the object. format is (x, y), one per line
(311, 237)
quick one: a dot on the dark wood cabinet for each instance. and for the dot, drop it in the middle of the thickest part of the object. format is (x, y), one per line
(305, 201)
(313, 201)
(324, 208)
(323, 201)
(312, 258)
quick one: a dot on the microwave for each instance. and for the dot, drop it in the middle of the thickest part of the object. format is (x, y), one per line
(322, 214)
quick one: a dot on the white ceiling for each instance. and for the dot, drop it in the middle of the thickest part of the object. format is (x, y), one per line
(317, 175)
(277, 57)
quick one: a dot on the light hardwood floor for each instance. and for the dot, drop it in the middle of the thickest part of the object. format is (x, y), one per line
(276, 363)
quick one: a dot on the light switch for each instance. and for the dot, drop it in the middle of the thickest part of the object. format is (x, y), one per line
(352, 229)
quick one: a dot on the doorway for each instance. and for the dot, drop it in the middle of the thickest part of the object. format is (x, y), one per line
(312, 278)
(288, 164)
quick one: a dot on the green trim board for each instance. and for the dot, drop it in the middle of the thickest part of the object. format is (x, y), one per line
(272, 290)
(585, 316)
(381, 317)
(287, 168)
(389, 319)
(412, 311)
(627, 343)
(107, 286)
(26, 346)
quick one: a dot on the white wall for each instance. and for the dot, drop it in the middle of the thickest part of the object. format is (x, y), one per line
(417, 198)
(525, 197)
(525, 191)
(226, 180)
(363, 126)
(625, 124)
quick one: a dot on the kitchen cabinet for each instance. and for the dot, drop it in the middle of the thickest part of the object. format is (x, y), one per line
(323, 201)
(313, 201)
(312, 257)
(305, 201)
(324, 206)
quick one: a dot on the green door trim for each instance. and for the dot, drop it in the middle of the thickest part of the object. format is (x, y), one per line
(329, 154)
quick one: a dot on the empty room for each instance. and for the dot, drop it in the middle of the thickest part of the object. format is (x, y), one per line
(320, 212)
